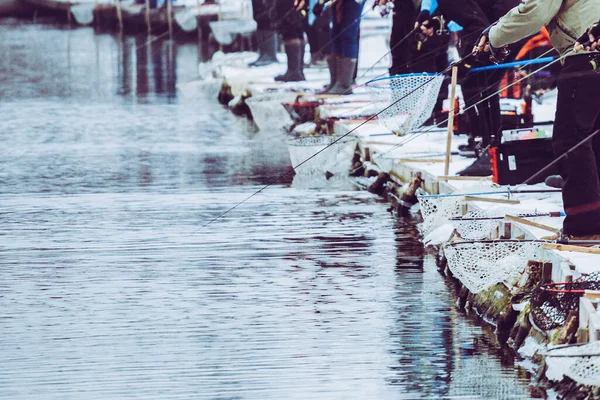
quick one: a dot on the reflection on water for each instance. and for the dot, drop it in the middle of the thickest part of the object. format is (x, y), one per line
(110, 288)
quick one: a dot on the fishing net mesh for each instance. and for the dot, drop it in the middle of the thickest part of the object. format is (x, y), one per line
(478, 224)
(405, 101)
(581, 362)
(334, 158)
(481, 224)
(268, 111)
(437, 211)
(479, 265)
(551, 303)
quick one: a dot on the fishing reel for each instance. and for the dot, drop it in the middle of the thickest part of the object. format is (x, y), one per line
(438, 24)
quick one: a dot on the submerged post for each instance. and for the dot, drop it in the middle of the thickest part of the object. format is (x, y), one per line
(119, 16)
(148, 24)
(170, 18)
(451, 118)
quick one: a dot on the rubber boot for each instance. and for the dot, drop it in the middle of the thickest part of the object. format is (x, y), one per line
(345, 76)
(294, 49)
(267, 48)
(332, 64)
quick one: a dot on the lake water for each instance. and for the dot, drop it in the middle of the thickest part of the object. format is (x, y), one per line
(114, 285)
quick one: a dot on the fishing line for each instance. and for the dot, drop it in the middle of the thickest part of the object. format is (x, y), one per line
(417, 135)
(309, 158)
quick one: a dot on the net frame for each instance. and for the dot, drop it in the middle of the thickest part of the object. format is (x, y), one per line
(406, 101)
(481, 264)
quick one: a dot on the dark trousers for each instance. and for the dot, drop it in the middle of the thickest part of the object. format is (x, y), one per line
(260, 13)
(577, 116)
(318, 34)
(402, 48)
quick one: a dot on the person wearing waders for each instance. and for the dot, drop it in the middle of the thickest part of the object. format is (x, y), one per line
(265, 36)
(577, 105)
(345, 24)
(483, 116)
(318, 35)
(288, 18)
(432, 41)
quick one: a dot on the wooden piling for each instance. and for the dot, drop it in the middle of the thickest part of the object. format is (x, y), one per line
(148, 23)
(119, 15)
(451, 118)
(170, 18)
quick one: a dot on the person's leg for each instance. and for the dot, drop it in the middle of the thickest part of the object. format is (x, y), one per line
(334, 39)
(348, 50)
(576, 118)
(403, 20)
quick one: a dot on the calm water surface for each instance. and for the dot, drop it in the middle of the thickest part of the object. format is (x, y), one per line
(111, 289)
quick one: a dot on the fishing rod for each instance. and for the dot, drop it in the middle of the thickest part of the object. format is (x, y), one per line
(506, 191)
(554, 214)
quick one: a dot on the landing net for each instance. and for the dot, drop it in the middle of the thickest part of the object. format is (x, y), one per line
(552, 302)
(580, 362)
(406, 100)
(268, 111)
(438, 210)
(479, 265)
(334, 161)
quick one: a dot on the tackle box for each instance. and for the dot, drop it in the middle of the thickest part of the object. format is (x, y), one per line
(521, 154)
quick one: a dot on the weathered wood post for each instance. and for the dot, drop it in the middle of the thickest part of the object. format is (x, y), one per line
(170, 18)
(119, 16)
(451, 118)
(148, 24)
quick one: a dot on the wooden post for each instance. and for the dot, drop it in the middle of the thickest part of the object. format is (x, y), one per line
(566, 247)
(451, 118)
(69, 12)
(170, 18)
(119, 16)
(148, 24)
(531, 223)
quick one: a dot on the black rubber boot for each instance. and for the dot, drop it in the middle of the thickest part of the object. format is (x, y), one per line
(480, 167)
(295, 51)
(345, 76)
(267, 48)
(332, 64)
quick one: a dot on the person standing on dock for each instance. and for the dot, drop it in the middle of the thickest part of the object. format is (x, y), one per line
(577, 110)
(265, 36)
(289, 20)
(483, 116)
(342, 62)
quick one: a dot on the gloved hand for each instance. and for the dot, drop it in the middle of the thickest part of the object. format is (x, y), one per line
(590, 40)
(422, 17)
(483, 45)
(430, 26)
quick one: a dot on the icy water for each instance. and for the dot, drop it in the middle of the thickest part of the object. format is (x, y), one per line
(111, 287)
